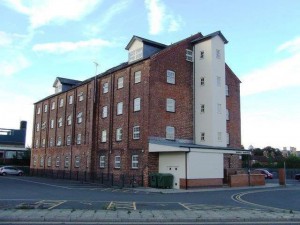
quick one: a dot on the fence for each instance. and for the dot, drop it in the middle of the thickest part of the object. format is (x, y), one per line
(105, 179)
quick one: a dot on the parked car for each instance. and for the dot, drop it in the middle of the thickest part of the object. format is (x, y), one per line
(10, 170)
(267, 174)
(297, 176)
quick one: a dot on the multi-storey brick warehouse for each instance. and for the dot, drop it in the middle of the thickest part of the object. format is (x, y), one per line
(128, 119)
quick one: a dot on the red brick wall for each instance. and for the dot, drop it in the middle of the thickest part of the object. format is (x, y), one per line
(195, 183)
(242, 180)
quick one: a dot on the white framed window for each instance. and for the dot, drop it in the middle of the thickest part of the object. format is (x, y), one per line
(119, 134)
(202, 136)
(78, 139)
(45, 108)
(226, 90)
(57, 162)
(228, 138)
(58, 141)
(135, 162)
(42, 161)
(137, 104)
(52, 123)
(218, 53)
(80, 96)
(103, 136)
(34, 161)
(120, 108)
(136, 132)
(38, 110)
(227, 114)
(137, 77)
(61, 102)
(44, 125)
(70, 99)
(170, 77)
(43, 142)
(201, 54)
(120, 82)
(51, 143)
(102, 161)
(202, 81)
(77, 161)
(68, 140)
(53, 105)
(69, 120)
(219, 106)
(170, 105)
(135, 54)
(60, 122)
(79, 117)
(67, 162)
(37, 127)
(202, 108)
(104, 111)
(219, 136)
(105, 87)
(189, 55)
(36, 143)
(117, 161)
(49, 161)
(219, 81)
(170, 133)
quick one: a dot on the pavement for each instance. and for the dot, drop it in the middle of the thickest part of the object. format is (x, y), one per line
(203, 213)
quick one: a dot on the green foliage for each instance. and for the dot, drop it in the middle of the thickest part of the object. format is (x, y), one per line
(292, 162)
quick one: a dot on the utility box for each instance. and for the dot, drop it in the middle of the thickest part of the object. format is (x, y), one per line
(165, 180)
(153, 180)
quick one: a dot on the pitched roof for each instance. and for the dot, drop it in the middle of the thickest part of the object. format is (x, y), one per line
(66, 81)
(209, 36)
(145, 41)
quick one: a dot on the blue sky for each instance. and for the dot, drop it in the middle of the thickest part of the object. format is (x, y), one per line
(43, 39)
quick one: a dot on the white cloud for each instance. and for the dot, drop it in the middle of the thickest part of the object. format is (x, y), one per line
(290, 46)
(159, 18)
(5, 39)
(13, 65)
(52, 11)
(64, 47)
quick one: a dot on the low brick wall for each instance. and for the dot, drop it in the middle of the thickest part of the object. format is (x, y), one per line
(195, 183)
(242, 180)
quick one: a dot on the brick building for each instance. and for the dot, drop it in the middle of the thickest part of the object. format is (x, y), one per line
(158, 112)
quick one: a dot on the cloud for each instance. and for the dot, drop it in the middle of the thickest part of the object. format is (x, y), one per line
(6, 39)
(45, 12)
(13, 65)
(159, 18)
(64, 47)
(282, 74)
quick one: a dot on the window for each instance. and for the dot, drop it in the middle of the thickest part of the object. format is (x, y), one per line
(39, 110)
(78, 140)
(202, 108)
(79, 117)
(119, 108)
(227, 114)
(44, 125)
(37, 127)
(218, 53)
(189, 55)
(58, 141)
(52, 123)
(137, 77)
(80, 96)
(57, 163)
(202, 81)
(69, 120)
(67, 162)
(45, 108)
(228, 138)
(70, 99)
(68, 140)
(77, 161)
(49, 161)
(117, 162)
(135, 54)
(119, 134)
(202, 137)
(219, 109)
(137, 104)
(41, 161)
(61, 102)
(105, 87)
(219, 136)
(219, 81)
(60, 122)
(135, 161)
(103, 137)
(34, 161)
(170, 105)
(201, 54)
(104, 111)
(53, 106)
(136, 132)
(51, 142)
(226, 90)
(170, 77)
(43, 142)
(120, 82)
(170, 133)
(36, 143)
(102, 161)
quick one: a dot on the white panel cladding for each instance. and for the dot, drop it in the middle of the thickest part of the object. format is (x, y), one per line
(136, 51)
(203, 165)
(212, 94)
(174, 163)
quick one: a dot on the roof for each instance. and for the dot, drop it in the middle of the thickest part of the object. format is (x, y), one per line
(209, 36)
(145, 41)
(66, 81)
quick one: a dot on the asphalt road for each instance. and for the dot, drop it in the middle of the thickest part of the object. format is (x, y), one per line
(42, 193)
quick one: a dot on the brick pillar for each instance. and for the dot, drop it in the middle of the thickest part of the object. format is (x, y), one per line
(146, 176)
(281, 175)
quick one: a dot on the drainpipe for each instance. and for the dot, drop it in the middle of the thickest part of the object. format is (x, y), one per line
(186, 168)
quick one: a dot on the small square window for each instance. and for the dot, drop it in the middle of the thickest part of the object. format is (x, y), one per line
(78, 141)
(202, 81)
(218, 53)
(201, 54)
(102, 161)
(170, 77)
(170, 105)
(67, 162)
(103, 137)
(120, 108)
(70, 99)
(37, 143)
(34, 161)
(119, 134)
(49, 162)
(57, 163)
(137, 77)
(117, 162)
(69, 120)
(202, 108)
(120, 82)
(39, 110)
(105, 87)
(136, 132)
(219, 136)
(170, 133)
(45, 108)
(53, 106)
(60, 122)
(61, 102)
(189, 55)
(41, 161)
(80, 96)
(79, 117)
(58, 141)
(202, 137)
(68, 140)
(77, 161)
(44, 124)
(137, 104)
(51, 143)
(135, 162)
(104, 111)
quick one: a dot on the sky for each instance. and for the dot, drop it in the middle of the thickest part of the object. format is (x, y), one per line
(43, 39)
